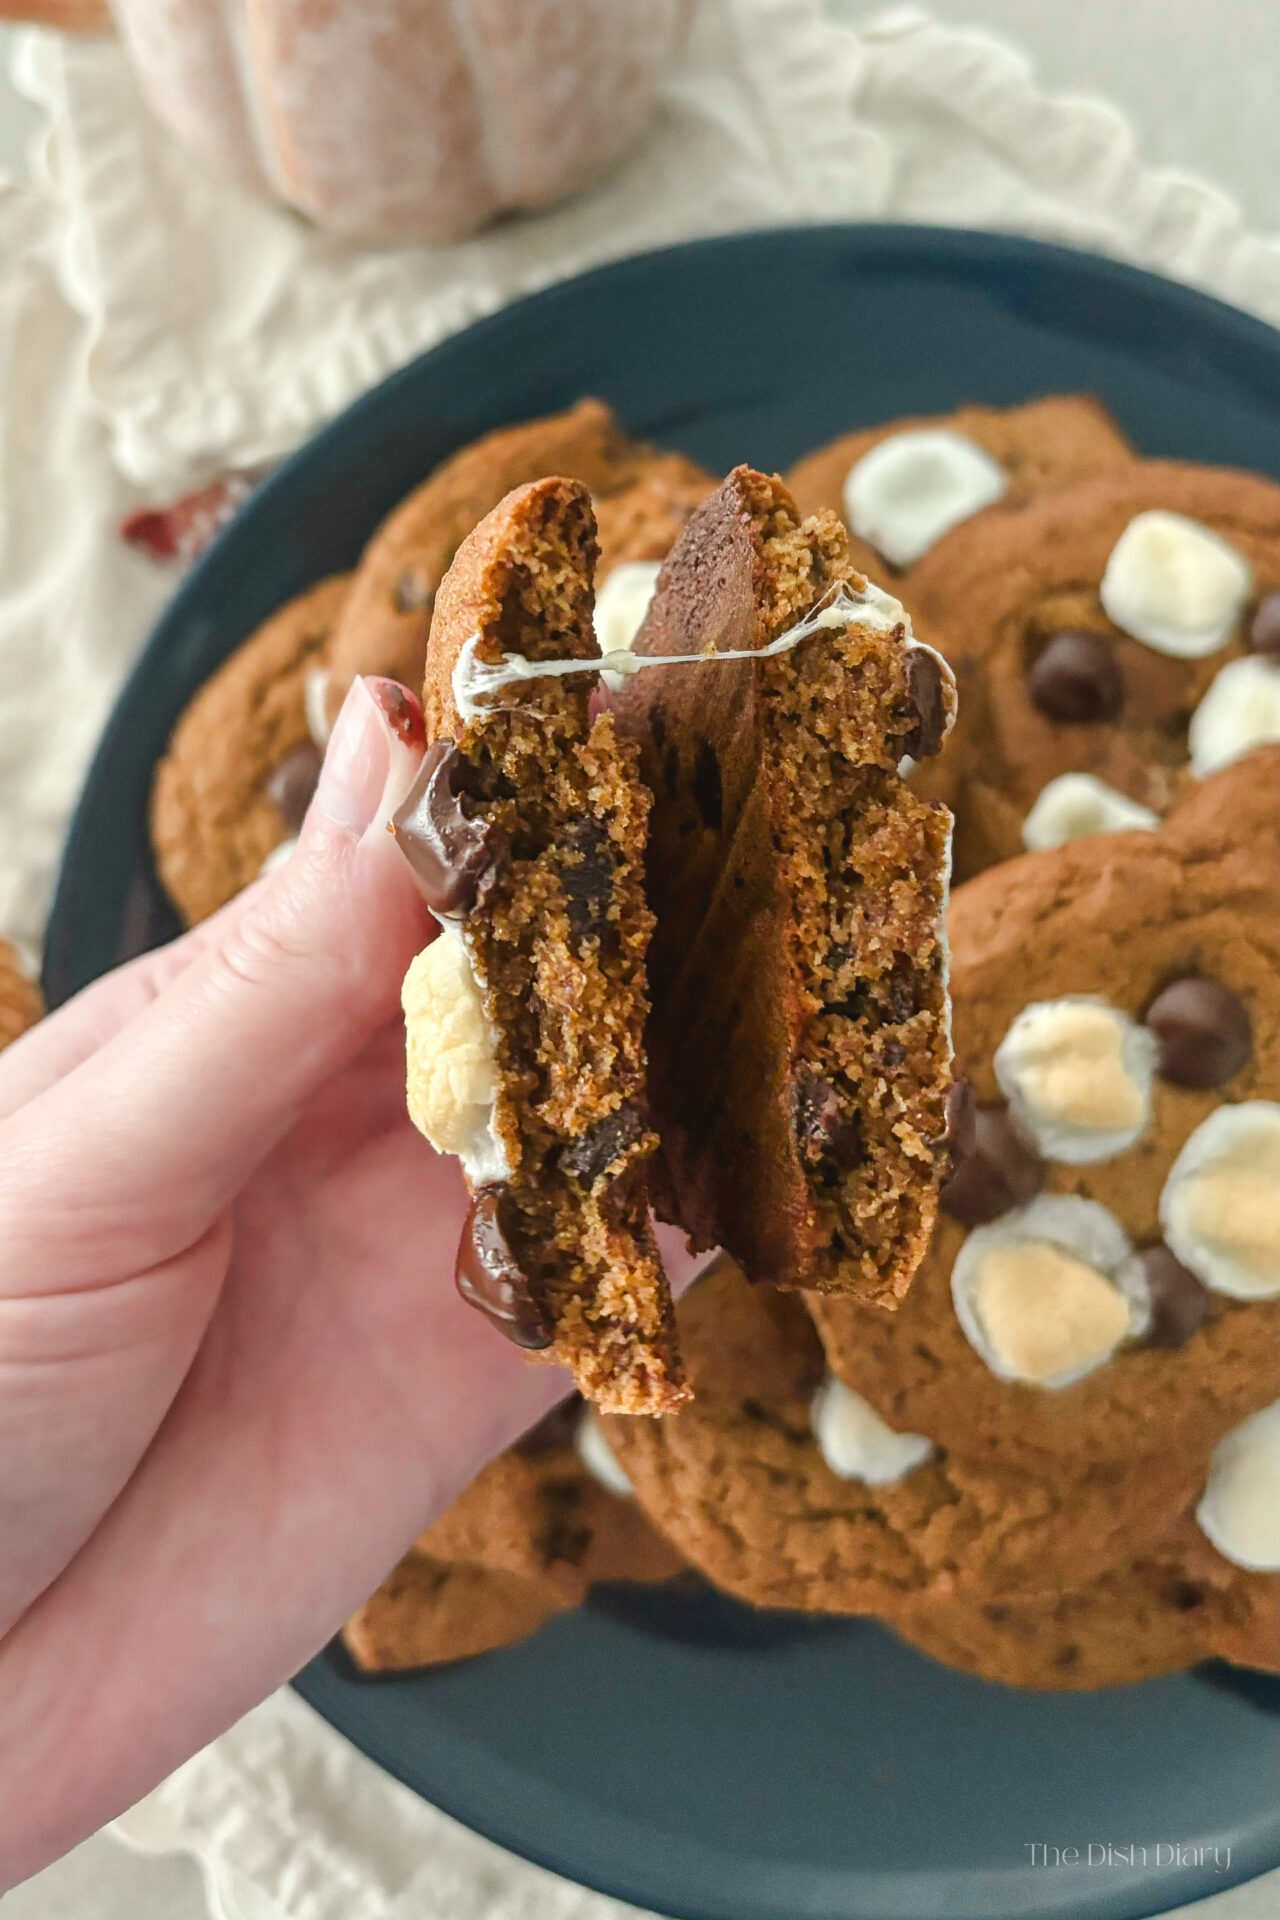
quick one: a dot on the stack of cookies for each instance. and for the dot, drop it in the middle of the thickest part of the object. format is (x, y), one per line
(986, 1342)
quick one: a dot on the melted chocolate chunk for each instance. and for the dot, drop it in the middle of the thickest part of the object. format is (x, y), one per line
(960, 1132)
(708, 795)
(658, 727)
(1264, 628)
(411, 594)
(449, 851)
(823, 1131)
(1179, 1303)
(595, 1151)
(928, 704)
(588, 882)
(1000, 1171)
(291, 784)
(491, 1279)
(1077, 677)
(1203, 1030)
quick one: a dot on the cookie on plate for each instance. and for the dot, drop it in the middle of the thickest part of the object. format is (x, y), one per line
(785, 1489)
(243, 761)
(525, 1018)
(1113, 643)
(1174, 1605)
(546, 1521)
(1102, 1284)
(900, 487)
(20, 1002)
(641, 496)
(799, 1046)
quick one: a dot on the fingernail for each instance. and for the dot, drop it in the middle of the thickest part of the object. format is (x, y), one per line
(407, 735)
(356, 762)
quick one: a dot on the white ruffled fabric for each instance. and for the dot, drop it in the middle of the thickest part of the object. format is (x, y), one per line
(156, 327)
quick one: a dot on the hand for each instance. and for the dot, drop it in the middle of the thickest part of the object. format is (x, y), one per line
(235, 1377)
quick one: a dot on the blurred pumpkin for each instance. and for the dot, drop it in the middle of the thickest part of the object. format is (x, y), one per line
(397, 120)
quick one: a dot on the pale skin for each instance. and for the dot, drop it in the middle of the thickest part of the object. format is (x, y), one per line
(235, 1377)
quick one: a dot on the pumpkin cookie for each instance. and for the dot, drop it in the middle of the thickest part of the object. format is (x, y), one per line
(543, 1523)
(20, 1002)
(641, 497)
(243, 762)
(1113, 643)
(900, 487)
(799, 1050)
(1173, 1606)
(786, 1490)
(525, 1019)
(1102, 1284)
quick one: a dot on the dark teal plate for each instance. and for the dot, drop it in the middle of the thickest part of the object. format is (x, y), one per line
(675, 1748)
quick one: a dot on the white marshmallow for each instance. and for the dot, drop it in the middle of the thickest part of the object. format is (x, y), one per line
(855, 1442)
(1077, 1074)
(1220, 1209)
(279, 856)
(910, 489)
(1175, 585)
(1239, 1510)
(598, 1457)
(1240, 711)
(621, 606)
(451, 1058)
(1076, 804)
(1048, 1292)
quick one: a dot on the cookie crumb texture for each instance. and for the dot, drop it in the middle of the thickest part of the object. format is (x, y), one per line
(215, 808)
(799, 1045)
(20, 1002)
(558, 933)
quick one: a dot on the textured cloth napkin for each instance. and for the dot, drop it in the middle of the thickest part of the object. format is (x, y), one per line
(155, 327)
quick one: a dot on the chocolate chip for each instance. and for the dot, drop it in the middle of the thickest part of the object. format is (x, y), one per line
(928, 704)
(902, 1003)
(293, 782)
(1203, 1031)
(671, 767)
(411, 592)
(491, 1279)
(1178, 1301)
(588, 881)
(822, 1129)
(707, 793)
(658, 727)
(595, 1151)
(1264, 628)
(960, 1132)
(1000, 1171)
(1077, 677)
(449, 850)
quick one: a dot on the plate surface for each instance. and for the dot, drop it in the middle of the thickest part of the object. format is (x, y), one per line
(678, 1750)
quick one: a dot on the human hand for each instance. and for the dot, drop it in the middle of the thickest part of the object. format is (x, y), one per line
(235, 1377)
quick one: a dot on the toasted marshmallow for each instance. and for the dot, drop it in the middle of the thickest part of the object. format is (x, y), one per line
(855, 1442)
(1076, 804)
(1239, 1510)
(913, 487)
(1220, 1209)
(1077, 1075)
(451, 1049)
(1240, 711)
(1175, 585)
(1046, 1294)
(621, 605)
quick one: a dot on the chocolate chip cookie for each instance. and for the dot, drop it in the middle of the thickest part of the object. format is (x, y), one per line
(783, 1488)
(527, 1539)
(20, 1002)
(242, 764)
(799, 1051)
(1113, 642)
(525, 1019)
(1102, 1284)
(901, 486)
(642, 498)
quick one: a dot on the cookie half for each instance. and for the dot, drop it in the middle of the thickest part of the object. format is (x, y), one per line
(799, 1043)
(1102, 1286)
(525, 1019)
(243, 761)
(642, 498)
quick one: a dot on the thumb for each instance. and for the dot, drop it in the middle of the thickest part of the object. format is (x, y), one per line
(136, 1153)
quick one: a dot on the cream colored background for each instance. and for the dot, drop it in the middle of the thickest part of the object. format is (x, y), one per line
(1200, 82)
